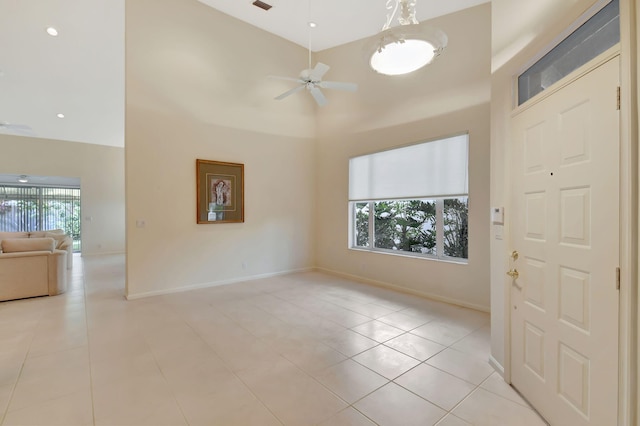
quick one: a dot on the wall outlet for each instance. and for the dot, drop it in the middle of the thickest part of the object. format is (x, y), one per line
(244, 265)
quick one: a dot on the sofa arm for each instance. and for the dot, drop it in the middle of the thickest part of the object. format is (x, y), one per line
(57, 272)
(63, 242)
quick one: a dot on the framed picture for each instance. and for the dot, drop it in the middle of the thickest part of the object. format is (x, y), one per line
(220, 189)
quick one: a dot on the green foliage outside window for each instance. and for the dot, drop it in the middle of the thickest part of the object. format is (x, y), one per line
(362, 224)
(405, 225)
(411, 226)
(28, 209)
(456, 227)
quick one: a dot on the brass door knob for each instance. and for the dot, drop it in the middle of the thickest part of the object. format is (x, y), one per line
(513, 273)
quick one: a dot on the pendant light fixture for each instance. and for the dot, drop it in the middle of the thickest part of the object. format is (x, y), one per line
(406, 47)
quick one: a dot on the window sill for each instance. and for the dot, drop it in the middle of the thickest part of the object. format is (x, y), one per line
(412, 255)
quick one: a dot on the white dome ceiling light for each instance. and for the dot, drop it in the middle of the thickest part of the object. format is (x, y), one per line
(407, 47)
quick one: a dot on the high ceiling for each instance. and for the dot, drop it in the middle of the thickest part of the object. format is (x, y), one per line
(338, 21)
(80, 73)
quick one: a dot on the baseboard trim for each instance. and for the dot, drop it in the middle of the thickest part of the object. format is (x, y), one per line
(405, 290)
(496, 365)
(310, 269)
(106, 253)
(214, 284)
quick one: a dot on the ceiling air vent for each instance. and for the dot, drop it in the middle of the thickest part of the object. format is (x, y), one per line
(262, 5)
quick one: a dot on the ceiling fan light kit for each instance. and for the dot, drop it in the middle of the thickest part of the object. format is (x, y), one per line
(407, 47)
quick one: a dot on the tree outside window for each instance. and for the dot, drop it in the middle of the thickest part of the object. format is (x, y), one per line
(412, 226)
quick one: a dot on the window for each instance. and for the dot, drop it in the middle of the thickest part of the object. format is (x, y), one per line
(36, 208)
(592, 38)
(412, 200)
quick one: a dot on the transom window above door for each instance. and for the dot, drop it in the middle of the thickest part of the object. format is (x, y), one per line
(595, 36)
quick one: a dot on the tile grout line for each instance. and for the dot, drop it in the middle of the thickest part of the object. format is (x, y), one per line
(164, 377)
(404, 332)
(447, 412)
(226, 364)
(86, 320)
(15, 384)
(153, 355)
(272, 311)
(307, 374)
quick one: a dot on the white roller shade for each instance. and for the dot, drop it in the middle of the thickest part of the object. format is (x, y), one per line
(431, 169)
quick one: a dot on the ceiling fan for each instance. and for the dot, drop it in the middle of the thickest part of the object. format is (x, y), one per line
(311, 79)
(21, 129)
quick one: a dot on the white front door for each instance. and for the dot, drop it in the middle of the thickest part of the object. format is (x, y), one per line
(565, 226)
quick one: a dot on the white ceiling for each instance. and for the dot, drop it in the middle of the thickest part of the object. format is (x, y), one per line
(338, 21)
(80, 73)
(12, 180)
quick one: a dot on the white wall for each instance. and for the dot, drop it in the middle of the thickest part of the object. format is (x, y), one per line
(191, 96)
(450, 96)
(197, 89)
(101, 172)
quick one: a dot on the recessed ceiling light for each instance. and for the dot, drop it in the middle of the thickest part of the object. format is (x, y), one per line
(313, 24)
(23, 179)
(52, 31)
(60, 115)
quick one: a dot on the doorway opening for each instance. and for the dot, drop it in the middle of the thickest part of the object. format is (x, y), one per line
(41, 204)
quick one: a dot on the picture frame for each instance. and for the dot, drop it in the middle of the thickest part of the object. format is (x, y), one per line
(220, 192)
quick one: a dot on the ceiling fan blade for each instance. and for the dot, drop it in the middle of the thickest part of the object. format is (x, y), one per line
(350, 87)
(320, 70)
(289, 92)
(21, 129)
(278, 77)
(318, 96)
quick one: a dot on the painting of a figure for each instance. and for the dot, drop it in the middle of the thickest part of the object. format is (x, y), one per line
(221, 190)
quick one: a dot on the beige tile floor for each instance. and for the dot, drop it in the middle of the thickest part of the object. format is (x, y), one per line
(300, 349)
